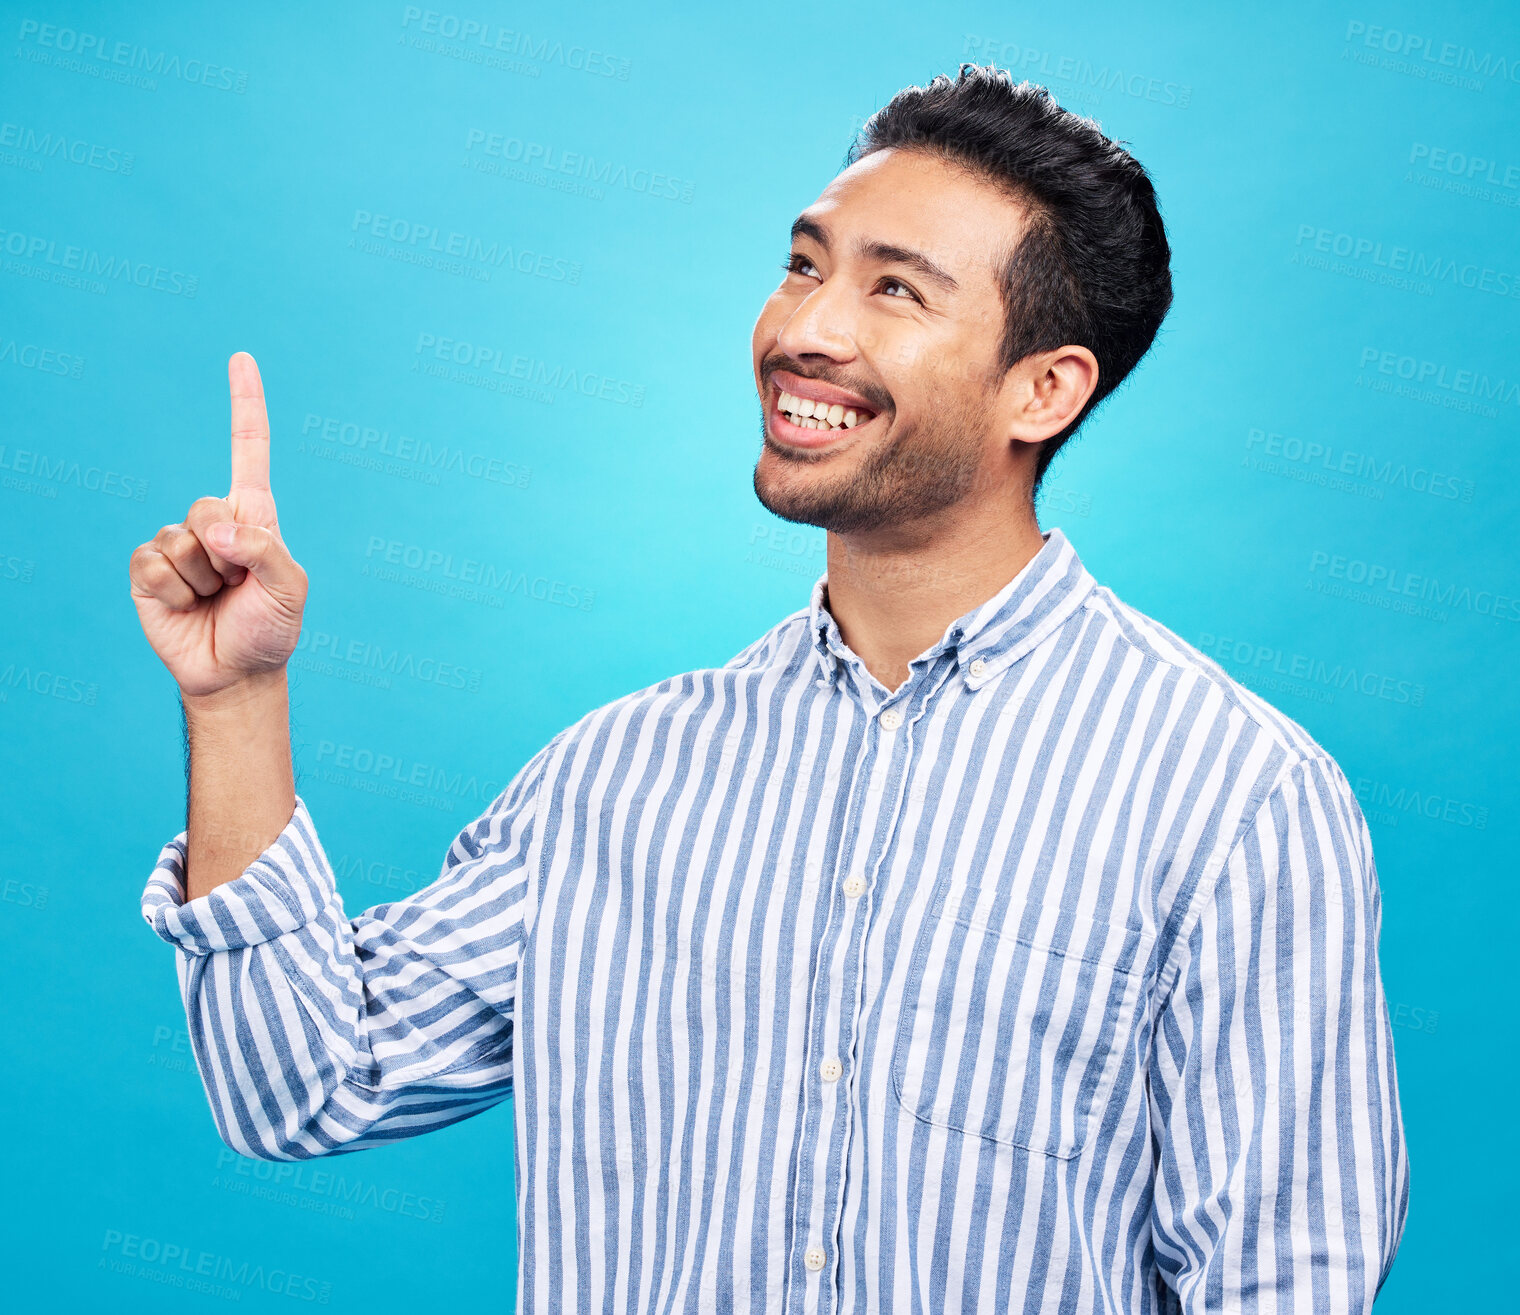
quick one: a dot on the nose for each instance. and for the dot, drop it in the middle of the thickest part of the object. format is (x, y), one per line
(822, 325)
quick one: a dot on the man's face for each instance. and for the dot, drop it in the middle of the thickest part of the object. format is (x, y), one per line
(889, 309)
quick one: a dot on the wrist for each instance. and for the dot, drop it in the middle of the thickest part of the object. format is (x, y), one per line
(245, 695)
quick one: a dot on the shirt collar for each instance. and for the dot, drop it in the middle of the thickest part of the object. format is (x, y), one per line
(993, 635)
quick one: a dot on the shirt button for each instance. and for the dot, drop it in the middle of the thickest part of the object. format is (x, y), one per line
(813, 1258)
(830, 1070)
(891, 719)
(978, 668)
(855, 886)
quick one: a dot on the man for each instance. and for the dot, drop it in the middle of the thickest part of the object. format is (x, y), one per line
(967, 942)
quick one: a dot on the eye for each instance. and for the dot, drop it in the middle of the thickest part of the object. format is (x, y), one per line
(797, 263)
(903, 290)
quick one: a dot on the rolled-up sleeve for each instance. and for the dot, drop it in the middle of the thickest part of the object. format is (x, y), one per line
(316, 1033)
(1282, 1181)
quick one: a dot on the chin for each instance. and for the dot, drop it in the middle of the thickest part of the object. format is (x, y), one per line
(785, 492)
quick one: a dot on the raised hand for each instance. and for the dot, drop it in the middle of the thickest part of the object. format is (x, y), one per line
(218, 594)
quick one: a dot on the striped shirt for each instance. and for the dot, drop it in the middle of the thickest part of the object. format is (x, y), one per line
(1047, 981)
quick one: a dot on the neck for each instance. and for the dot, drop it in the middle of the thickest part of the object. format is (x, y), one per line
(895, 593)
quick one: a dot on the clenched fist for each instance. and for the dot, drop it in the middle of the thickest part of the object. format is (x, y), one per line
(218, 594)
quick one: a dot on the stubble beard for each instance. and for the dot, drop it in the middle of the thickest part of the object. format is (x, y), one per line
(920, 472)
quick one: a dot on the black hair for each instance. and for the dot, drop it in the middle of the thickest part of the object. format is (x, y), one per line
(1094, 267)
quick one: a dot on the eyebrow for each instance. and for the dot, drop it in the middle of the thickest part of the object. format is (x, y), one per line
(884, 252)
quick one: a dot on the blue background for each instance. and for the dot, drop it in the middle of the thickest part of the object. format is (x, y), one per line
(1201, 494)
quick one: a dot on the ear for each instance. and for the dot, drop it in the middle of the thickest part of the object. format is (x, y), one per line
(1044, 392)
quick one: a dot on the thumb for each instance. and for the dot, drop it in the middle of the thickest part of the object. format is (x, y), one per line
(265, 555)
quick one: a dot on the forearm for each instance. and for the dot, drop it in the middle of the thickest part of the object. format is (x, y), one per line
(317, 1033)
(298, 1077)
(242, 787)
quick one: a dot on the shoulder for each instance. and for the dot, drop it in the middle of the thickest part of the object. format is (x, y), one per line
(1222, 702)
(781, 653)
(1259, 753)
(1269, 775)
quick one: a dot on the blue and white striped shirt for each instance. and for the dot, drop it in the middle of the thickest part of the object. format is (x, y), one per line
(1047, 981)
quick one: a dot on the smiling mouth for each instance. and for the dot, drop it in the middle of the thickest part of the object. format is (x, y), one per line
(808, 414)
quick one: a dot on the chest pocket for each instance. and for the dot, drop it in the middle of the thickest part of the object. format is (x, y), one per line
(1012, 1040)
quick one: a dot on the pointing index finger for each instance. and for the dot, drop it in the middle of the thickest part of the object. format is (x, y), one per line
(250, 424)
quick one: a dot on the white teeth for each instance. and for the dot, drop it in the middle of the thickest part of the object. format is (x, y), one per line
(808, 414)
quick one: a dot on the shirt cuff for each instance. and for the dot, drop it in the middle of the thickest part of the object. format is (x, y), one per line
(283, 889)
